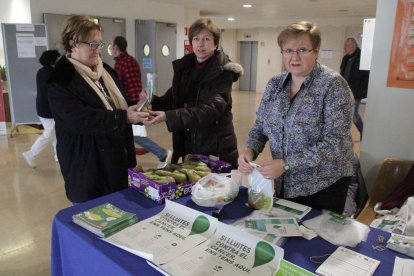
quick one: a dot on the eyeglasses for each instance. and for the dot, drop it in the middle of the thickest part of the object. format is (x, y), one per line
(301, 52)
(94, 45)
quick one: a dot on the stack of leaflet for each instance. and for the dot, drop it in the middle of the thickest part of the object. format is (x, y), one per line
(105, 220)
(276, 224)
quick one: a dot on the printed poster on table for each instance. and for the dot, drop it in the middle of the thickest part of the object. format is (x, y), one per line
(170, 233)
(401, 69)
(229, 252)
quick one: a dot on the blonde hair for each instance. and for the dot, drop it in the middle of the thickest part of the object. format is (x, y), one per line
(76, 29)
(301, 28)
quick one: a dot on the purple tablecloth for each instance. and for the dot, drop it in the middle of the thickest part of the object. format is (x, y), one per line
(76, 251)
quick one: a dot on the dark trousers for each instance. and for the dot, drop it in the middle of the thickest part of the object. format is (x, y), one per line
(331, 198)
(357, 118)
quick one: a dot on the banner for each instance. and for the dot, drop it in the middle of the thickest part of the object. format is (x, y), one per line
(183, 241)
(401, 69)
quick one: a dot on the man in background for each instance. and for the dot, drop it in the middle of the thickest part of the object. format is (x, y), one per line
(48, 60)
(129, 73)
(357, 79)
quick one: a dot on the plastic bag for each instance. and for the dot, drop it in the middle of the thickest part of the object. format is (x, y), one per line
(215, 189)
(400, 221)
(260, 193)
(338, 229)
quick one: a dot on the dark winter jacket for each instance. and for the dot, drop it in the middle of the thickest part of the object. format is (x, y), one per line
(94, 145)
(207, 127)
(42, 102)
(358, 79)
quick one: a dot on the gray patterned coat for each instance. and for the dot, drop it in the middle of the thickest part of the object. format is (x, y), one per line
(313, 134)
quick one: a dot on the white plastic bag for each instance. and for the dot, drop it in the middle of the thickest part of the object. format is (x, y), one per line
(260, 193)
(338, 229)
(215, 189)
(400, 221)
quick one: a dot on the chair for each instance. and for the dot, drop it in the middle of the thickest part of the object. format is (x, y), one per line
(390, 174)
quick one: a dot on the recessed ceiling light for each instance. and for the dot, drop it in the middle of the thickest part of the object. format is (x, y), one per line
(247, 6)
(230, 19)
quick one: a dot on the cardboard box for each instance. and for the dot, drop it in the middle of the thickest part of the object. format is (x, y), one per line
(216, 166)
(155, 190)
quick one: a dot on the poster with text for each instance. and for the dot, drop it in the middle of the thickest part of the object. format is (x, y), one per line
(228, 252)
(401, 69)
(163, 237)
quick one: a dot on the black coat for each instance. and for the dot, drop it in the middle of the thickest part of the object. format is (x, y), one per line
(94, 145)
(207, 127)
(42, 101)
(358, 79)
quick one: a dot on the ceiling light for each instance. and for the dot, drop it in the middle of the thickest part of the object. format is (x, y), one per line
(230, 19)
(247, 6)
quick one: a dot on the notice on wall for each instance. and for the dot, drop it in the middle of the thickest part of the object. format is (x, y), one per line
(401, 69)
(147, 63)
(40, 41)
(25, 45)
(325, 53)
(3, 130)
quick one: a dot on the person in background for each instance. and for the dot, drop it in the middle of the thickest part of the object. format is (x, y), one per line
(130, 76)
(93, 120)
(306, 116)
(357, 79)
(48, 60)
(197, 108)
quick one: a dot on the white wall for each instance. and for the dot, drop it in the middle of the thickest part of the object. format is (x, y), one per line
(231, 47)
(13, 11)
(270, 60)
(128, 9)
(388, 128)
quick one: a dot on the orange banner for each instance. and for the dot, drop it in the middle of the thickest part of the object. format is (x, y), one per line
(401, 69)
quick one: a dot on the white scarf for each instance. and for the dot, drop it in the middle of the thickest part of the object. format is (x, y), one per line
(92, 77)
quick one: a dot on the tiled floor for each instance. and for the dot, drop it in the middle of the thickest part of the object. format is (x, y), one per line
(30, 198)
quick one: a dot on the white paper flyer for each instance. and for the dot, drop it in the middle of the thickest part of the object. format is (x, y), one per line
(163, 237)
(282, 207)
(228, 252)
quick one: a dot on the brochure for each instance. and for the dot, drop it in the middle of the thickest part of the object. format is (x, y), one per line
(287, 268)
(105, 219)
(279, 226)
(282, 207)
(402, 266)
(401, 243)
(170, 233)
(182, 241)
(227, 253)
(347, 262)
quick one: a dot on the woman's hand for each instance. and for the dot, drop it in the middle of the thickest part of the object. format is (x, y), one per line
(134, 116)
(156, 117)
(244, 161)
(272, 169)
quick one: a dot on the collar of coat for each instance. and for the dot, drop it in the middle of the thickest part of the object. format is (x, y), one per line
(65, 71)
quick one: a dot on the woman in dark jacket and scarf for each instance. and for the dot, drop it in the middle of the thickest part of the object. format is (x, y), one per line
(93, 121)
(197, 108)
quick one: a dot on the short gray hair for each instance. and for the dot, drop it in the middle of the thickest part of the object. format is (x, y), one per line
(352, 40)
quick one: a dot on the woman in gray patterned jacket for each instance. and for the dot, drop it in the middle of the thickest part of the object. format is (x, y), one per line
(306, 116)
